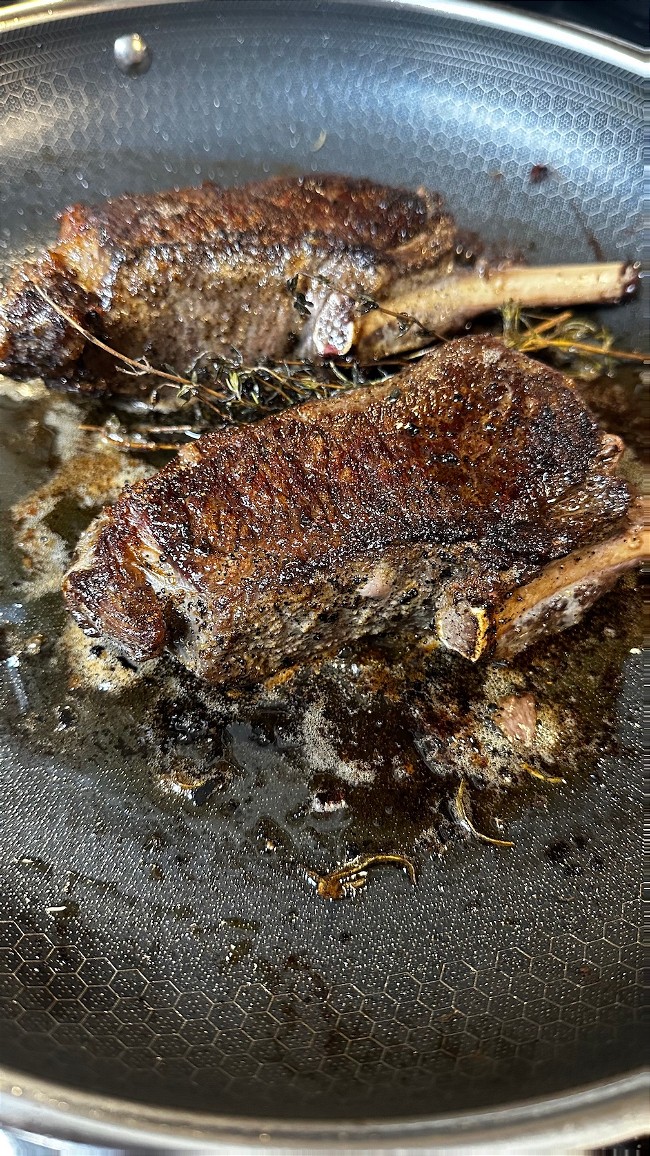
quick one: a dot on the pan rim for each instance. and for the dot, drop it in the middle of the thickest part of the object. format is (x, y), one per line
(600, 1113)
(562, 34)
(595, 1114)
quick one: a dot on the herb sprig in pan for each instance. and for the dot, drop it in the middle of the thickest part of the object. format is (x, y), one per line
(224, 390)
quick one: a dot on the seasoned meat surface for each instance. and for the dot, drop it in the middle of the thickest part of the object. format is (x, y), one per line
(418, 504)
(175, 275)
(178, 277)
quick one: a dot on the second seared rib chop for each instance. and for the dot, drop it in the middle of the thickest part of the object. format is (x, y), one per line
(423, 503)
(171, 276)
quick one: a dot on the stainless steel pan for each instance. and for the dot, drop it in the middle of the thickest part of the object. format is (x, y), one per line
(496, 1004)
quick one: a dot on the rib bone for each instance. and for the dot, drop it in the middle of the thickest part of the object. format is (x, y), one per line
(559, 597)
(445, 305)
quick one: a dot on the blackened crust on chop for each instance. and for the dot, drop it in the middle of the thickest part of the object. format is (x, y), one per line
(417, 504)
(173, 275)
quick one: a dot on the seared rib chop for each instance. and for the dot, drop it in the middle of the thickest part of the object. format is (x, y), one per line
(423, 503)
(171, 276)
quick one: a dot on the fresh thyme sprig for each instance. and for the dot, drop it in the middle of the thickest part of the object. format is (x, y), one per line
(224, 390)
(136, 367)
(582, 346)
(228, 387)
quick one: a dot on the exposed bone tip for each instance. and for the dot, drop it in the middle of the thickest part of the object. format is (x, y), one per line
(446, 304)
(464, 628)
(630, 278)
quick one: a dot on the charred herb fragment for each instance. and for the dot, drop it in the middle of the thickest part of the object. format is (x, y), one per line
(581, 347)
(552, 780)
(466, 821)
(353, 875)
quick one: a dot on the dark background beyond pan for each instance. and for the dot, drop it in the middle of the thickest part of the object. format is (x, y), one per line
(627, 20)
(500, 977)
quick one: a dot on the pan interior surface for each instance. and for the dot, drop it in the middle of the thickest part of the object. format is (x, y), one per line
(167, 948)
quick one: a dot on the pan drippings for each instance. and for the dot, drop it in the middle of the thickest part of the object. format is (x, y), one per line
(375, 742)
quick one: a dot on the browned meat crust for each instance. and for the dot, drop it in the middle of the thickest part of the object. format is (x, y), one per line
(171, 276)
(421, 503)
(176, 274)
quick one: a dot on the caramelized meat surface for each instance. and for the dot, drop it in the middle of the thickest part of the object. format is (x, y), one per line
(176, 274)
(421, 504)
(173, 277)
